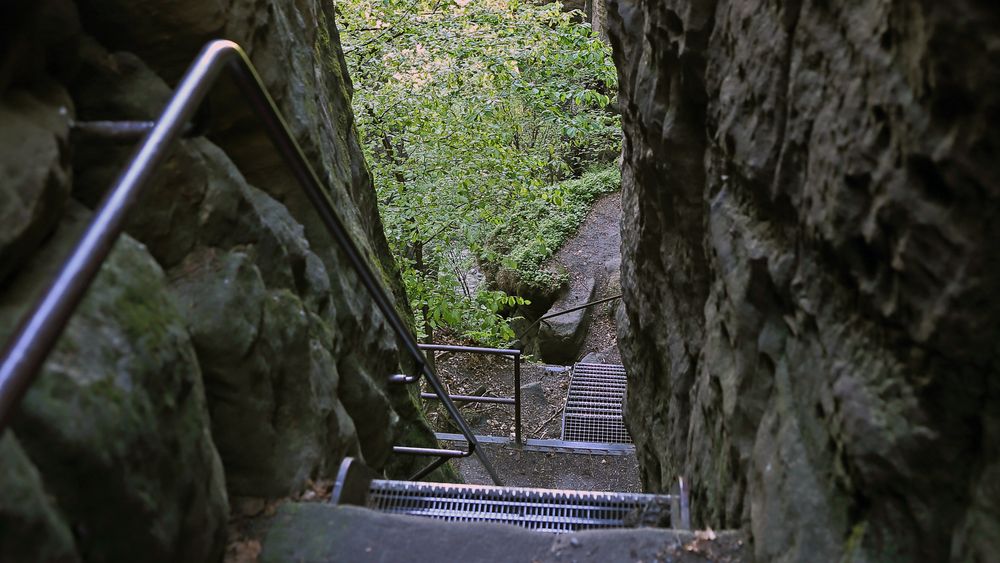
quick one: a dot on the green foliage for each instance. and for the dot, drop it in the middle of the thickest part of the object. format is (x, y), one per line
(553, 221)
(471, 113)
(477, 316)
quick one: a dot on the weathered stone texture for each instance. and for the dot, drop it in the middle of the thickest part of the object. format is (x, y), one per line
(226, 325)
(560, 339)
(809, 268)
(116, 424)
(34, 170)
(31, 517)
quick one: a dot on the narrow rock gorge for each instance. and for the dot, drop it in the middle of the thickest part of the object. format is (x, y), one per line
(225, 350)
(809, 269)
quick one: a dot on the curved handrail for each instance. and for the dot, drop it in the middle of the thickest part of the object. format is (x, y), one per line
(40, 328)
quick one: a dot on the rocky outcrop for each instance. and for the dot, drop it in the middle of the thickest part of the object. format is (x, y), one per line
(225, 349)
(809, 193)
(561, 338)
(35, 131)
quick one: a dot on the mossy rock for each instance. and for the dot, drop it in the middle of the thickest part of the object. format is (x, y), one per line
(116, 422)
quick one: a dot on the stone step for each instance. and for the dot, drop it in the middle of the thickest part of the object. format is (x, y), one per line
(320, 532)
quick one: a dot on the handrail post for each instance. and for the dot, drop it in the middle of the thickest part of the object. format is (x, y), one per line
(428, 469)
(513, 353)
(517, 397)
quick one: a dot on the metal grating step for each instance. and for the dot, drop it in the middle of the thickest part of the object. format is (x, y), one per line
(617, 387)
(601, 377)
(596, 396)
(603, 391)
(601, 369)
(547, 510)
(583, 428)
(607, 379)
(601, 381)
(594, 400)
(597, 400)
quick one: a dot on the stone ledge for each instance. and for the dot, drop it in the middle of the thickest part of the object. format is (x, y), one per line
(323, 532)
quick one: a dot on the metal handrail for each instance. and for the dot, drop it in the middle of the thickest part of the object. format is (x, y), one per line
(41, 326)
(559, 313)
(516, 401)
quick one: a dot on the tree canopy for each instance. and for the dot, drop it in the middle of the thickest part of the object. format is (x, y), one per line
(472, 112)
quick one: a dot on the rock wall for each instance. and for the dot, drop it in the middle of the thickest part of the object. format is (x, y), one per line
(226, 349)
(810, 325)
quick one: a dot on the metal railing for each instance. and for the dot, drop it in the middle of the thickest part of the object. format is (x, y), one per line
(41, 326)
(547, 316)
(516, 400)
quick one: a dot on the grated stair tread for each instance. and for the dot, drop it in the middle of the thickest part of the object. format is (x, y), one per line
(594, 401)
(548, 510)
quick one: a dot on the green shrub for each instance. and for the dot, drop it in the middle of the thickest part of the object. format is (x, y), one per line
(538, 230)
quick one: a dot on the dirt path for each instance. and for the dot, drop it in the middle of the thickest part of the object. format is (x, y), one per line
(597, 243)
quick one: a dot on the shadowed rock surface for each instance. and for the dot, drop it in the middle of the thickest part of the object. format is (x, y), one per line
(561, 338)
(323, 532)
(225, 350)
(809, 269)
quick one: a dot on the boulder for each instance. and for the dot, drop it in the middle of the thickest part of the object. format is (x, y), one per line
(116, 422)
(561, 338)
(594, 358)
(533, 396)
(31, 527)
(34, 169)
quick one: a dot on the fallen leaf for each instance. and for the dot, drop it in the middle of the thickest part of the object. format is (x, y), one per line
(706, 534)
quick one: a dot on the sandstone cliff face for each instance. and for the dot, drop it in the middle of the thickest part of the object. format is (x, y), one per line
(810, 195)
(225, 349)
